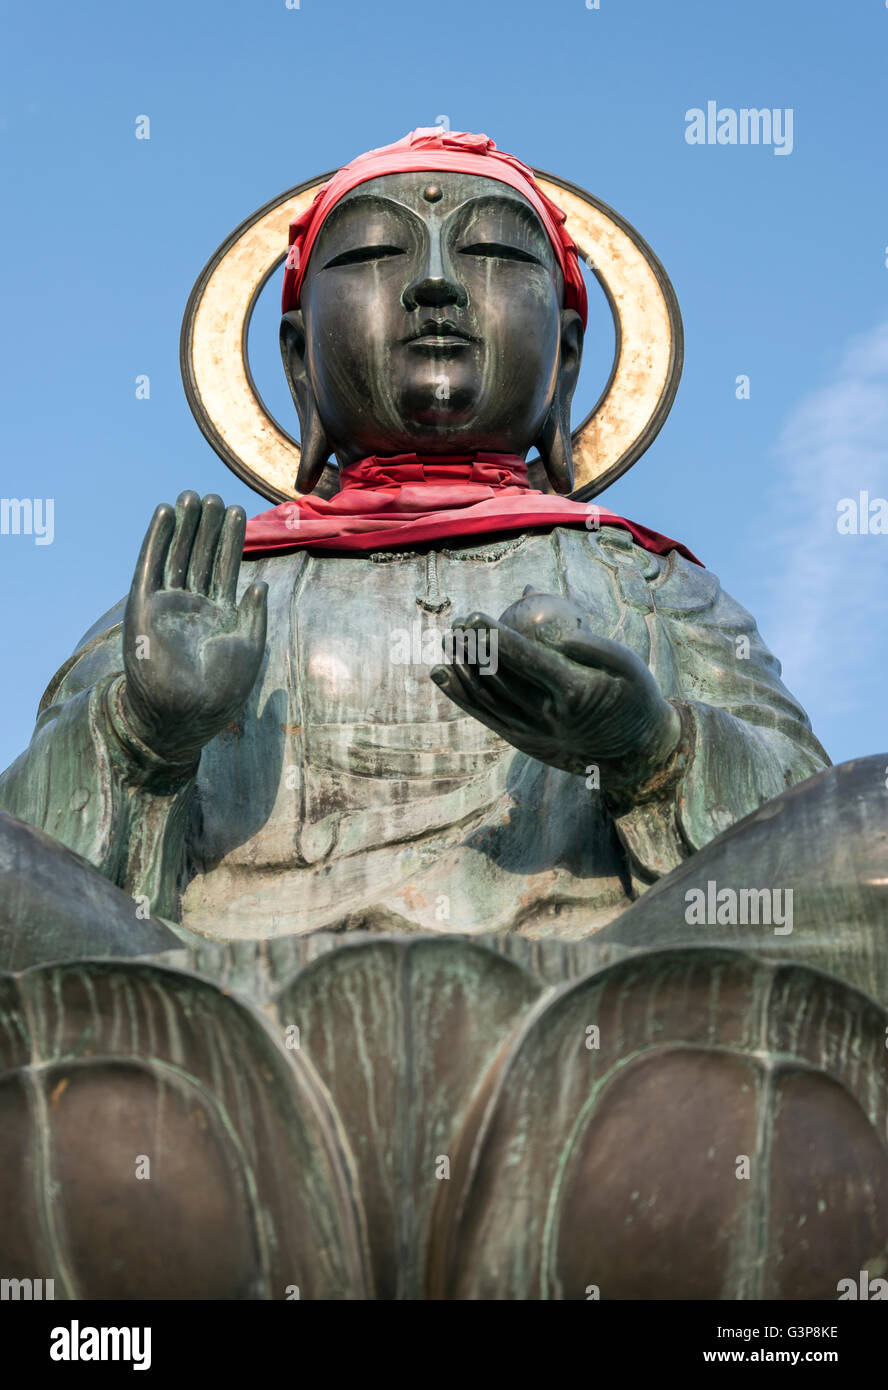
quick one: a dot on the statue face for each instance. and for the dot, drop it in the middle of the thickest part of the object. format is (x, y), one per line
(432, 319)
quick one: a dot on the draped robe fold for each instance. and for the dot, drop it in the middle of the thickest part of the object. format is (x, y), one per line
(351, 792)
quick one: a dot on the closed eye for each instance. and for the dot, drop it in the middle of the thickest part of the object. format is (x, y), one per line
(364, 253)
(499, 251)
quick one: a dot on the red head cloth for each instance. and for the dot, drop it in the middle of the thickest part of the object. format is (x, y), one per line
(432, 148)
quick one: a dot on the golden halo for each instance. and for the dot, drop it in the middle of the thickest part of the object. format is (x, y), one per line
(629, 414)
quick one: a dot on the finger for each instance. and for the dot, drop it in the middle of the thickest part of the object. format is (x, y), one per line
(602, 653)
(223, 585)
(576, 643)
(478, 697)
(187, 518)
(148, 574)
(252, 613)
(523, 659)
(506, 691)
(203, 552)
(544, 664)
(476, 651)
(449, 680)
(474, 641)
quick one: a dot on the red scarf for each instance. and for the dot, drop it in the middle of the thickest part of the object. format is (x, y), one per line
(411, 499)
(432, 148)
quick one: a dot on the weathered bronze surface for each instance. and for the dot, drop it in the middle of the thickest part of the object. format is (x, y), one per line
(628, 416)
(467, 1142)
(420, 1009)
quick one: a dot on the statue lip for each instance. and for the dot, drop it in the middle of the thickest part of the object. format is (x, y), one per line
(440, 333)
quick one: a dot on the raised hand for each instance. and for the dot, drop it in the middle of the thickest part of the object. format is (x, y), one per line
(562, 694)
(191, 654)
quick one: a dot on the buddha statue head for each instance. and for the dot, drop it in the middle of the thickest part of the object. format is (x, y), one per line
(433, 304)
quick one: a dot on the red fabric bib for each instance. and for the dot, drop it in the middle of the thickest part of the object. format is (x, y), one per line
(410, 500)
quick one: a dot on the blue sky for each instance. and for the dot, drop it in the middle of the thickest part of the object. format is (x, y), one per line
(779, 264)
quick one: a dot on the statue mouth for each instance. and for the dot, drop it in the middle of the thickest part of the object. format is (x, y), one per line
(433, 333)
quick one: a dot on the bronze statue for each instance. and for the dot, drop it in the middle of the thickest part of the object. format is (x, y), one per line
(287, 791)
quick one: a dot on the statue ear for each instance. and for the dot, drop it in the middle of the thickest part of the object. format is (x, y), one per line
(554, 443)
(316, 447)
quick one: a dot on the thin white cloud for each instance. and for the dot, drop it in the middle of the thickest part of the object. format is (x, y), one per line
(828, 617)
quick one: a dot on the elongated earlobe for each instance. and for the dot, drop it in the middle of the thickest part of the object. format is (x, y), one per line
(316, 450)
(316, 447)
(554, 442)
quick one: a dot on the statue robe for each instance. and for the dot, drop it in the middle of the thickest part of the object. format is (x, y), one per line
(351, 793)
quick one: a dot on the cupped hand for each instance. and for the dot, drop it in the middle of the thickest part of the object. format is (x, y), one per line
(550, 686)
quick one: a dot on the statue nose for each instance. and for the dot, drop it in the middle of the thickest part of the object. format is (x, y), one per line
(434, 291)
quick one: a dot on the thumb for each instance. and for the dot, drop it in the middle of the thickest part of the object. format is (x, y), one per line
(252, 613)
(587, 648)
